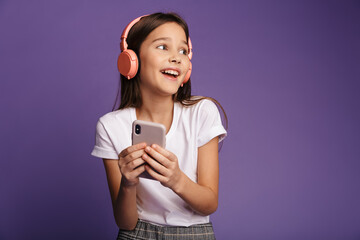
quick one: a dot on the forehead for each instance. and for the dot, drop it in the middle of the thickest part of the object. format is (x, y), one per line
(168, 30)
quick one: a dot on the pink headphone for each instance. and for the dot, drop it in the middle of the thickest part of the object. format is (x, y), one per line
(128, 62)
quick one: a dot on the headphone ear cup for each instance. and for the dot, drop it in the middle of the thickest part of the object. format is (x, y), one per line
(128, 63)
(187, 76)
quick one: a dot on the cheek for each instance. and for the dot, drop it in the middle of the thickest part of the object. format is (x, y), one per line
(148, 63)
(187, 64)
(145, 65)
(148, 68)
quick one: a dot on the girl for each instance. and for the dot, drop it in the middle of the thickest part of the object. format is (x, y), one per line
(177, 202)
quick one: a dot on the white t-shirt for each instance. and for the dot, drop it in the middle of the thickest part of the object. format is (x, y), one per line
(192, 127)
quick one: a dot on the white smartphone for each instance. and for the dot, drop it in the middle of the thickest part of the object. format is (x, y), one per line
(150, 133)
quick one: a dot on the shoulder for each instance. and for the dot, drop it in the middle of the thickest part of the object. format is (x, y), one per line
(203, 106)
(207, 106)
(199, 109)
(116, 116)
(113, 134)
(205, 120)
(115, 120)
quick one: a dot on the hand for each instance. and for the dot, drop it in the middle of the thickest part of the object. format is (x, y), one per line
(164, 168)
(129, 164)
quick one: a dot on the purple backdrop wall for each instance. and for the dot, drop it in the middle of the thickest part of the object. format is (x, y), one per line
(287, 73)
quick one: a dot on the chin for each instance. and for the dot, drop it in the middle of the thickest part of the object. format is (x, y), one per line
(168, 91)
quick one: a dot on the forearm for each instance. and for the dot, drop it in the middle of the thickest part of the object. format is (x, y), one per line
(125, 210)
(202, 199)
(122, 176)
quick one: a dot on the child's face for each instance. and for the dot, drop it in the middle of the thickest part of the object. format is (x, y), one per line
(164, 49)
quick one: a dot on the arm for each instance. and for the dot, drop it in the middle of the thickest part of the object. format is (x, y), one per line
(201, 196)
(122, 177)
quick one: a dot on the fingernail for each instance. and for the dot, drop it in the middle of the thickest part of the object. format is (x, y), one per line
(154, 146)
(147, 149)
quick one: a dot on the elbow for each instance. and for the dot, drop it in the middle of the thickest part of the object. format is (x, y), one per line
(209, 209)
(213, 204)
(212, 208)
(126, 225)
(125, 221)
(215, 207)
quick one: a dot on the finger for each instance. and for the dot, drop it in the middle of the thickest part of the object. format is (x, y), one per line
(132, 156)
(157, 156)
(154, 174)
(123, 161)
(132, 148)
(155, 164)
(134, 164)
(138, 171)
(132, 177)
(164, 152)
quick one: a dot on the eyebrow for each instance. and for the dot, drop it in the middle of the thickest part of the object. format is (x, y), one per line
(167, 39)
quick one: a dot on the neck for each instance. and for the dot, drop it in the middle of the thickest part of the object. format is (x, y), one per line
(156, 109)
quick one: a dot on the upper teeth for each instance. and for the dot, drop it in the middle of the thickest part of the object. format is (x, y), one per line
(172, 72)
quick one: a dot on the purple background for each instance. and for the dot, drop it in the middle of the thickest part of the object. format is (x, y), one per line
(286, 72)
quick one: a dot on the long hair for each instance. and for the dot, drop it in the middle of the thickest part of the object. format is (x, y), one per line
(129, 90)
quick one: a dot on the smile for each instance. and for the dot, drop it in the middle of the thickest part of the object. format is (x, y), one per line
(172, 73)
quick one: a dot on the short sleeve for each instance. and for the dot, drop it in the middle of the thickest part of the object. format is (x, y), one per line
(210, 125)
(103, 146)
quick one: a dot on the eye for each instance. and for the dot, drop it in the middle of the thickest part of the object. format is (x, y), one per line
(183, 51)
(162, 47)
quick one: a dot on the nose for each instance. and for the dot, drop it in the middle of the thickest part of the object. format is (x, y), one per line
(175, 58)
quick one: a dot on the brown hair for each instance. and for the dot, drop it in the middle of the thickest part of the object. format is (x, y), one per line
(130, 95)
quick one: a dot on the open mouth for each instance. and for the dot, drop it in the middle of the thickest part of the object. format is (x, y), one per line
(170, 73)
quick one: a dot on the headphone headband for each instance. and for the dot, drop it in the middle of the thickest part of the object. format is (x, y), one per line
(123, 43)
